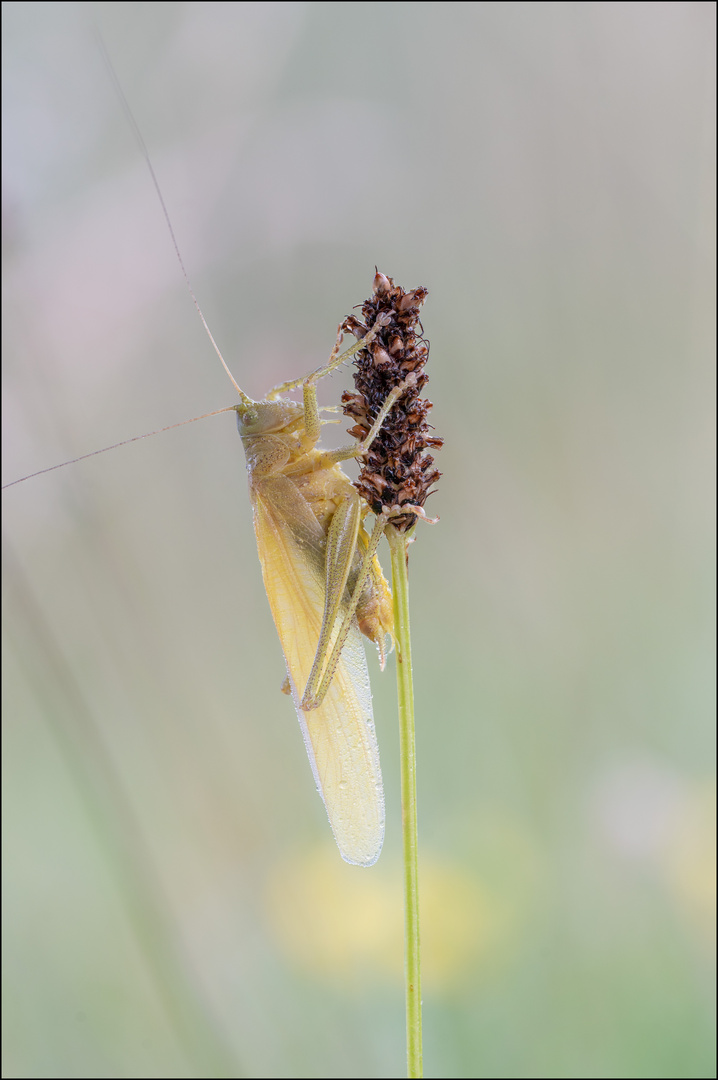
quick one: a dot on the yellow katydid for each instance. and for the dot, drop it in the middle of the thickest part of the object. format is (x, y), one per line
(323, 583)
(321, 575)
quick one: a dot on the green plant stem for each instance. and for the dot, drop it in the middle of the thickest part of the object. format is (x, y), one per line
(398, 542)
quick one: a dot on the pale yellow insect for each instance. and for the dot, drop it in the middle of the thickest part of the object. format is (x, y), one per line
(325, 587)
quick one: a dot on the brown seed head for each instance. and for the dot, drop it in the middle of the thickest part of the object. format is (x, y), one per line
(397, 469)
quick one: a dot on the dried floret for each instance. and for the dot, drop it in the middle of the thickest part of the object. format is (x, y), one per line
(397, 471)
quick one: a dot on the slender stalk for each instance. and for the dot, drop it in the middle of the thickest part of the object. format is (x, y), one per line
(396, 477)
(398, 543)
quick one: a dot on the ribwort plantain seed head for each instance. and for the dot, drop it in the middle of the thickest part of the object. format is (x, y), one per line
(397, 469)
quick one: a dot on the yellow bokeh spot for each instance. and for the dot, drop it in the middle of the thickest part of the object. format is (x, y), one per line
(689, 859)
(343, 922)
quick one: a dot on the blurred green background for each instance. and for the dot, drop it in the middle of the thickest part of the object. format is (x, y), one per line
(174, 902)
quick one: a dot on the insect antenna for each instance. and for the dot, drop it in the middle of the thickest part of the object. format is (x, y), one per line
(146, 155)
(124, 442)
(246, 400)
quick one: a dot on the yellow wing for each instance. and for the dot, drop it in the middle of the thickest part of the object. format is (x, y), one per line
(339, 735)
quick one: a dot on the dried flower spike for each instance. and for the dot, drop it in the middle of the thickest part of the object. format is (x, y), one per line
(397, 471)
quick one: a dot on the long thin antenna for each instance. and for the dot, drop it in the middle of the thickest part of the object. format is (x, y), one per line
(145, 153)
(135, 438)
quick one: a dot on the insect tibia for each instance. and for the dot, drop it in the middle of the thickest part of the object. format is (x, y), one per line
(370, 603)
(341, 545)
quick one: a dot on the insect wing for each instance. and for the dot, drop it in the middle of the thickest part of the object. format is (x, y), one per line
(339, 735)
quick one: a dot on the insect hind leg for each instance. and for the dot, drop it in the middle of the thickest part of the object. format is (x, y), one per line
(316, 690)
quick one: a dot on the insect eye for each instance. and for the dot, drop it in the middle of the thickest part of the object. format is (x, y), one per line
(249, 418)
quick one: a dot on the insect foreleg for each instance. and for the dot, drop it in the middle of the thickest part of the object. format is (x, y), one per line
(312, 421)
(336, 359)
